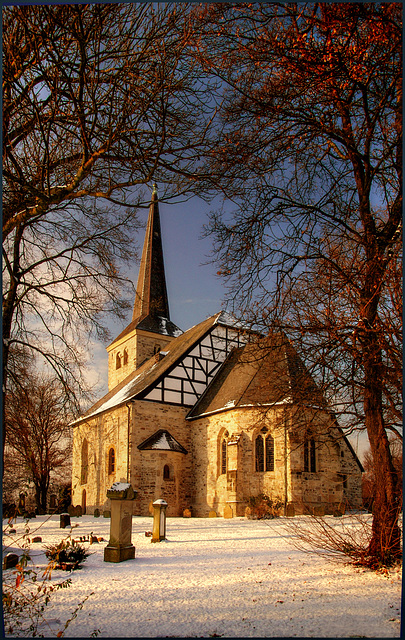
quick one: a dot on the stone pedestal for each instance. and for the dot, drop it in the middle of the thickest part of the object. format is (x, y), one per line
(159, 520)
(119, 547)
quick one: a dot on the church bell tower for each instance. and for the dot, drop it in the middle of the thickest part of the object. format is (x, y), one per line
(151, 328)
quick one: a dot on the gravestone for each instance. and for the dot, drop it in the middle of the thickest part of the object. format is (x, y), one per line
(78, 511)
(107, 513)
(64, 520)
(212, 514)
(71, 510)
(228, 513)
(186, 513)
(119, 547)
(290, 510)
(159, 520)
(10, 561)
(342, 508)
(37, 539)
(96, 513)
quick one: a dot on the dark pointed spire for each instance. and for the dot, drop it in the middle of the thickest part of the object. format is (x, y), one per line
(151, 308)
(151, 294)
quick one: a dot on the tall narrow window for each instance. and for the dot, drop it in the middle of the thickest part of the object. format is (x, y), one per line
(166, 472)
(309, 454)
(259, 453)
(84, 461)
(269, 453)
(224, 451)
(118, 361)
(111, 461)
(125, 357)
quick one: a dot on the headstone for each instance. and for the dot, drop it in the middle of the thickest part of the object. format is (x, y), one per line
(71, 510)
(10, 561)
(96, 513)
(64, 520)
(342, 508)
(212, 514)
(228, 513)
(119, 547)
(12, 531)
(37, 539)
(78, 511)
(186, 513)
(107, 513)
(159, 520)
(290, 510)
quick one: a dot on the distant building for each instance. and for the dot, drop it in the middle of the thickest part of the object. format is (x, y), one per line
(208, 418)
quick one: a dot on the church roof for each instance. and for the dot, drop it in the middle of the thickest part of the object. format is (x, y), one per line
(266, 373)
(162, 440)
(151, 307)
(137, 383)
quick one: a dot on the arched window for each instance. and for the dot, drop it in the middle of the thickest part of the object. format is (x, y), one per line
(166, 472)
(224, 452)
(264, 452)
(118, 361)
(125, 357)
(111, 461)
(85, 461)
(269, 453)
(259, 453)
(309, 454)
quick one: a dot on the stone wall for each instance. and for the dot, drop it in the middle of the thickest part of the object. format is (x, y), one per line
(148, 465)
(139, 346)
(195, 480)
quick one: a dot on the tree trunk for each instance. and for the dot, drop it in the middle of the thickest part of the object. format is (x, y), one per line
(41, 494)
(385, 544)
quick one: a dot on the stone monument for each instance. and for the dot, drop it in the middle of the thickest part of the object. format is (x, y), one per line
(159, 520)
(119, 547)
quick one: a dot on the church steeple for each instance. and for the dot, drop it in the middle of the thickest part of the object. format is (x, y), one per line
(151, 293)
(151, 328)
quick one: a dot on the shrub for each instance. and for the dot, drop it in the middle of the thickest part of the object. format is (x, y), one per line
(67, 555)
(262, 506)
(346, 538)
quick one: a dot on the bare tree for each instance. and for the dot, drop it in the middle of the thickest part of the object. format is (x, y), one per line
(96, 103)
(38, 436)
(309, 150)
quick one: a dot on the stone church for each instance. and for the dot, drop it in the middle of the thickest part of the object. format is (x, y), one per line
(208, 419)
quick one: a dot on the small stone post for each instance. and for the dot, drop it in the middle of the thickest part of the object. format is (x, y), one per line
(119, 547)
(159, 520)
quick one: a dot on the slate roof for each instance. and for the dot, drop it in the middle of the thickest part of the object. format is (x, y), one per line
(151, 307)
(266, 373)
(139, 382)
(162, 440)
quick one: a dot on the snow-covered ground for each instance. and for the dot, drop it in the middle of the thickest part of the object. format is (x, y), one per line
(214, 577)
